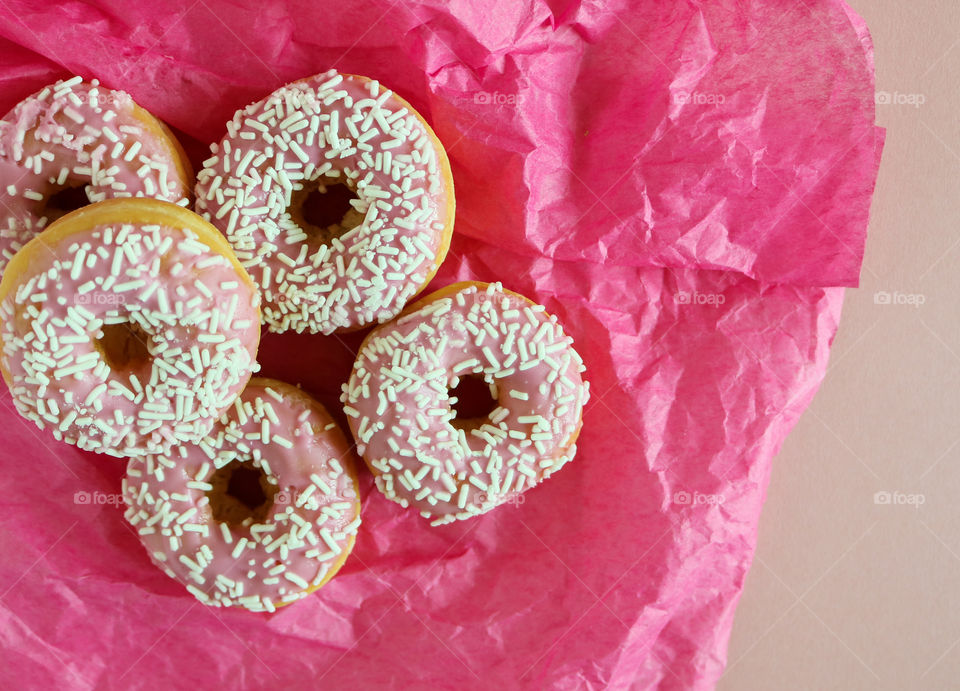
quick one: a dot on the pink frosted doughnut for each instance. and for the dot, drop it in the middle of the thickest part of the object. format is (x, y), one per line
(401, 412)
(81, 135)
(127, 326)
(260, 513)
(310, 136)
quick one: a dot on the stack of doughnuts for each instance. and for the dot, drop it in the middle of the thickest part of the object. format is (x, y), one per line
(130, 326)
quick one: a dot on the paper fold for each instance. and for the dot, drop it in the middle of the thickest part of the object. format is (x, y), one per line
(686, 188)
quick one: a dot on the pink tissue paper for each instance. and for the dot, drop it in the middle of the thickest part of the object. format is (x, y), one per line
(686, 185)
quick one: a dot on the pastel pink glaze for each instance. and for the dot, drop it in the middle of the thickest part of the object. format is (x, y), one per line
(43, 148)
(203, 343)
(327, 128)
(161, 491)
(399, 408)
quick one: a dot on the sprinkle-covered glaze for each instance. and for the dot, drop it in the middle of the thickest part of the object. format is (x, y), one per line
(326, 129)
(310, 529)
(74, 134)
(193, 311)
(399, 407)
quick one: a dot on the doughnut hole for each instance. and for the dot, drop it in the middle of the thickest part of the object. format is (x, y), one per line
(241, 494)
(65, 200)
(472, 399)
(125, 346)
(323, 210)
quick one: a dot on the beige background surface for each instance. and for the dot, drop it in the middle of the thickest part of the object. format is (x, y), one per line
(848, 592)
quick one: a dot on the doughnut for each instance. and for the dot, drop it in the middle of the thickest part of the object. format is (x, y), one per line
(73, 143)
(402, 395)
(261, 512)
(126, 326)
(338, 199)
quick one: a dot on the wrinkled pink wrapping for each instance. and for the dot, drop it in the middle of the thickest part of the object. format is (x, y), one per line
(619, 163)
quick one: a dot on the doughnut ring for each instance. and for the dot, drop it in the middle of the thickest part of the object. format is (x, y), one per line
(422, 451)
(329, 138)
(126, 326)
(73, 143)
(261, 512)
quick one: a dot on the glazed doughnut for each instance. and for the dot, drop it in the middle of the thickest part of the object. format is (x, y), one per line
(126, 326)
(336, 273)
(81, 136)
(259, 514)
(400, 409)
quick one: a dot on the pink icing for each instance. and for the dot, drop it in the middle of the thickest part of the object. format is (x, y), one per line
(315, 515)
(200, 317)
(327, 128)
(73, 133)
(399, 409)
